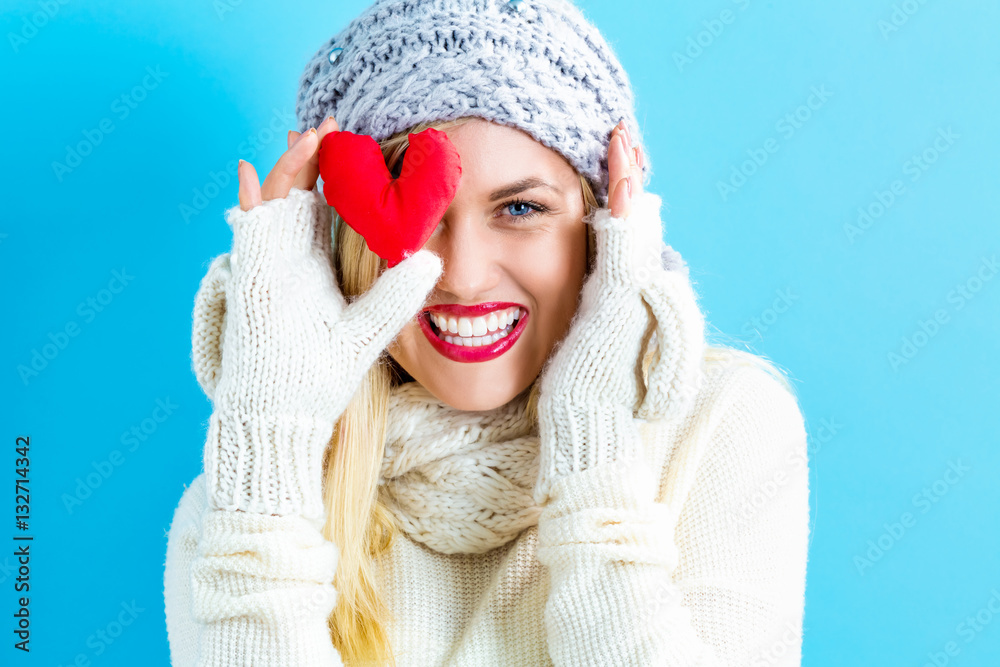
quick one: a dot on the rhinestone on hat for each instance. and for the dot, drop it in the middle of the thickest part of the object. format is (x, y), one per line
(334, 54)
(517, 5)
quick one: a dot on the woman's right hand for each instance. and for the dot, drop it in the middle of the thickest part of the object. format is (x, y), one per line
(278, 349)
(298, 167)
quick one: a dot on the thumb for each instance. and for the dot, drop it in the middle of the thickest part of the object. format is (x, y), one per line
(208, 325)
(378, 315)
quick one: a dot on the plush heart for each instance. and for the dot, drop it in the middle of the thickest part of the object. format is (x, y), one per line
(394, 215)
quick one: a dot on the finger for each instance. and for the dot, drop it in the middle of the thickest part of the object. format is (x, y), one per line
(292, 136)
(620, 199)
(633, 154)
(620, 195)
(302, 178)
(376, 317)
(618, 166)
(306, 179)
(249, 193)
(628, 134)
(282, 176)
(627, 139)
(636, 172)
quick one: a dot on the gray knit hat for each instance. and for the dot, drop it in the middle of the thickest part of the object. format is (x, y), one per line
(537, 65)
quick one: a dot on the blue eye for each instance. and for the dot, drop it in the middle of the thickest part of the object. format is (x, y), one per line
(518, 209)
(522, 209)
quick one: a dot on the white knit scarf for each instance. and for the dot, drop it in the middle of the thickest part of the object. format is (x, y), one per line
(459, 481)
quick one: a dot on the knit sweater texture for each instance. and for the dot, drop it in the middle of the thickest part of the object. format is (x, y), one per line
(692, 553)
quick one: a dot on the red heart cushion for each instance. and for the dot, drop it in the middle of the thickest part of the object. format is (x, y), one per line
(395, 216)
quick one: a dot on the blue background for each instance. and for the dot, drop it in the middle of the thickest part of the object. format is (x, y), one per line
(775, 261)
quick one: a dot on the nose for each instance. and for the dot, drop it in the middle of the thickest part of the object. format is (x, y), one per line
(469, 254)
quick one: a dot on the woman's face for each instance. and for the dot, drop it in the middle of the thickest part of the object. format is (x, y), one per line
(513, 238)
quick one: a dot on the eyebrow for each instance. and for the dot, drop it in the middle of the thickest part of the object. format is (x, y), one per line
(521, 186)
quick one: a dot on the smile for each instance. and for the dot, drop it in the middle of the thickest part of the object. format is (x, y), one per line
(472, 349)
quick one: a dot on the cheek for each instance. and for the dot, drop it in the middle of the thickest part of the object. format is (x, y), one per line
(553, 273)
(404, 348)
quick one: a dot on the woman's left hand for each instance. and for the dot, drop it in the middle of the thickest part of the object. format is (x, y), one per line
(593, 384)
(625, 163)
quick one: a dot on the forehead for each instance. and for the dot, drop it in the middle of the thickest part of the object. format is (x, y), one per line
(493, 153)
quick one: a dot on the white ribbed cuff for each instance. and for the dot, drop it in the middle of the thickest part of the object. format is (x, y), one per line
(262, 589)
(250, 641)
(578, 438)
(612, 506)
(289, 227)
(266, 464)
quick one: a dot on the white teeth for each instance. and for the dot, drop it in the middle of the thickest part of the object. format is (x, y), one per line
(476, 331)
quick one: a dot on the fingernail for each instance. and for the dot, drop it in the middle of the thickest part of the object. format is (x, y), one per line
(628, 186)
(638, 156)
(311, 130)
(628, 135)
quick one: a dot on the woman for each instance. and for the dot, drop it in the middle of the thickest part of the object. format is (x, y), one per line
(564, 475)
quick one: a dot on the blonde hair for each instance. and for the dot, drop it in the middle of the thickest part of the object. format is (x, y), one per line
(357, 521)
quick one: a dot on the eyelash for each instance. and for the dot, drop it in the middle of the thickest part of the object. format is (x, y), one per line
(539, 208)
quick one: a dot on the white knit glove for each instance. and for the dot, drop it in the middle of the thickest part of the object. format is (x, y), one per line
(592, 385)
(294, 351)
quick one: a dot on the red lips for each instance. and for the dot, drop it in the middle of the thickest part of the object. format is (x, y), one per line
(395, 216)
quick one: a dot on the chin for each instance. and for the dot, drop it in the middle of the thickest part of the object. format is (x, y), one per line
(466, 386)
(471, 395)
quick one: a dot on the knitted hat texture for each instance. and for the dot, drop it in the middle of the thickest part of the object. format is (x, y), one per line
(537, 65)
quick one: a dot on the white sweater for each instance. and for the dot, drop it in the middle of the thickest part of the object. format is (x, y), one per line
(717, 578)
